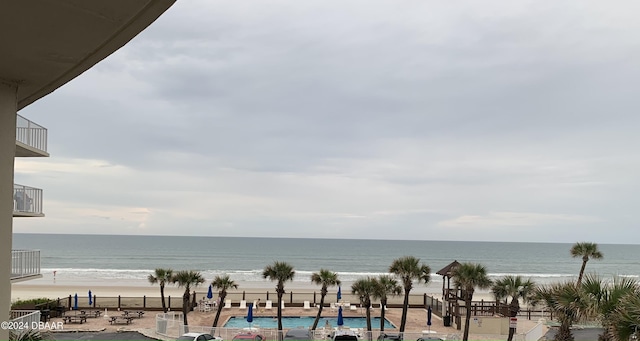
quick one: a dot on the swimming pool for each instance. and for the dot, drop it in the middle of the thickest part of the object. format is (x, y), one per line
(304, 322)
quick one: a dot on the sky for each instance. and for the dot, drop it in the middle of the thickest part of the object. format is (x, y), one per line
(410, 120)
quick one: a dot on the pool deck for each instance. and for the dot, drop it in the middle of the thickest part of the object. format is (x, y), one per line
(416, 320)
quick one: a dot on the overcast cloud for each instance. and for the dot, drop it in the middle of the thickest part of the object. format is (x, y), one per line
(491, 120)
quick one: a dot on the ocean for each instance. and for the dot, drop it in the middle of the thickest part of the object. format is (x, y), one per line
(113, 258)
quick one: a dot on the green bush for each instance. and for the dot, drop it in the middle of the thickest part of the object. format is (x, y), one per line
(29, 304)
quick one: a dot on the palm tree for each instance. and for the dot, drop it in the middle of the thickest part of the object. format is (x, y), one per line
(516, 288)
(587, 251)
(281, 272)
(569, 303)
(468, 276)
(364, 288)
(162, 276)
(222, 284)
(382, 287)
(625, 318)
(187, 279)
(327, 279)
(605, 297)
(408, 268)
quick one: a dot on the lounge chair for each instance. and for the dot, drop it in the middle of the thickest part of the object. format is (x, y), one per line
(333, 307)
(255, 305)
(243, 304)
(306, 305)
(268, 305)
(353, 307)
(227, 304)
(282, 305)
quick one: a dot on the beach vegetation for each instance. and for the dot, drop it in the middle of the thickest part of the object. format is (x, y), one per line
(30, 303)
(222, 284)
(187, 279)
(586, 251)
(29, 335)
(364, 288)
(280, 272)
(605, 298)
(326, 279)
(162, 277)
(468, 277)
(517, 289)
(409, 269)
(383, 287)
(623, 322)
(568, 302)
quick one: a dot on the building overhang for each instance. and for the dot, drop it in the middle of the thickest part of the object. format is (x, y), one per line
(25, 278)
(45, 44)
(25, 150)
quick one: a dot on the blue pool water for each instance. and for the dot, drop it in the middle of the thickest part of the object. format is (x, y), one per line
(304, 322)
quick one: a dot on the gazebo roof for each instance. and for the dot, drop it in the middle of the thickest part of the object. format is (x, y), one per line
(448, 270)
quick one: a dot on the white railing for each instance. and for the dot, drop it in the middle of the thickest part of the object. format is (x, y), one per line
(26, 321)
(27, 199)
(169, 324)
(31, 134)
(25, 263)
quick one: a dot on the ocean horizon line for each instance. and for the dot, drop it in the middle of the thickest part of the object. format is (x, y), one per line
(314, 238)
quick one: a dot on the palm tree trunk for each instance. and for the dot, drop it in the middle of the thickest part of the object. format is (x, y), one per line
(383, 304)
(564, 332)
(164, 306)
(185, 309)
(369, 321)
(315, 323)
(467, 318)
(584, 265)
(222, 296)
(514, 307)
(280, 315)
(405, 307)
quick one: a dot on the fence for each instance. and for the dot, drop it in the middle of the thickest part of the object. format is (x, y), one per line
(170, 325)
(291, 299)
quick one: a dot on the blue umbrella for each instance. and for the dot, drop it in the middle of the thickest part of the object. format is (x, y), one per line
(340, 320)
(339, 294)
(75, 302)
(90, 298)
(250, 313)
(429, 318)
(210, 292)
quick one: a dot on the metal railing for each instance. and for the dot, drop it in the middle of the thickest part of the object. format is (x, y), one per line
(25, 263)
(31, 134)
(25, 322)
(27, 199)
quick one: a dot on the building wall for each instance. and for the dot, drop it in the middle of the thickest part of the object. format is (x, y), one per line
(488, 325)
(8, 111)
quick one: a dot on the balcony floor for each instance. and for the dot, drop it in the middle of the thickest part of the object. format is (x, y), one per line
(15, 278)
(23, 150)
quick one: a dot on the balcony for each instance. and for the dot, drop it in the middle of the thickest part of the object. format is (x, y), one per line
(25, 265)
(27, 201)
(31, 139)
